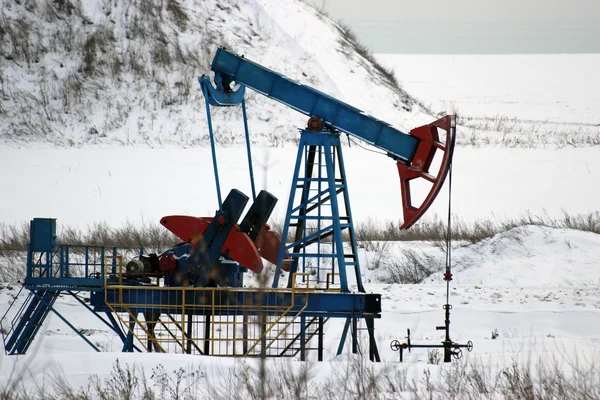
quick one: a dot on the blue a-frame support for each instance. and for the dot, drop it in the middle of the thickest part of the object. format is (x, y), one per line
(321, 215)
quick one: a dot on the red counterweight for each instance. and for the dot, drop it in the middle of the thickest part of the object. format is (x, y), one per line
(238, 246)
(419, 168)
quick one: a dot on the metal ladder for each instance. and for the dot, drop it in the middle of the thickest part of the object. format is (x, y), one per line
(328, 209)
(27, 321)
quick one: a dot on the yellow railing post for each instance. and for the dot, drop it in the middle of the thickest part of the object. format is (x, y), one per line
(183, 338)
(213, 320)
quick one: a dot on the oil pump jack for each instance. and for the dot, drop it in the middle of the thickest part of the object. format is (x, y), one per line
(199, 283)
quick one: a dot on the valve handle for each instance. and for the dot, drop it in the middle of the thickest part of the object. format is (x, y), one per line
(469, 346)
(457, 354)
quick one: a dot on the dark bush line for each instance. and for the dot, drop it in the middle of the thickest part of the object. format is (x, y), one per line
(435, 229)
(154, 237)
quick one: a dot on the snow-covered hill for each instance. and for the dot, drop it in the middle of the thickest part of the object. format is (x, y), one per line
(125, 72)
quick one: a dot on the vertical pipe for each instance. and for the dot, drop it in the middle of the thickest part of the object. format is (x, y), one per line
(102, 260)
(67, 262)
(190, 333)
(87, 257)
(248, 150)
(245, 333)
(207, 333)
(182, 327)
(29, 262)
(61, 262)
(302, 337)
(48, 265)
(354, 336)
(320, 339)
(212, 144)
(114, 259)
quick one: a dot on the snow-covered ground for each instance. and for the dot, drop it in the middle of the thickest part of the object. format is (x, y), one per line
(560, 88)
(524, 295)
(538, 287)
(514, 100)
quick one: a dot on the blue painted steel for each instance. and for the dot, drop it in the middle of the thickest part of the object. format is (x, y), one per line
(39, 304)
(343, 338)
(23, 315)
(327, 145)
(229, 66)
(196, 263)
(312, 304)
(48, 301)
(337, 229)
(221, 96)
(303, 337)
(289, 213)
(112, 324)
(128, 343)
(212, 139)
(30, 321)
(115, 325)
(42, 234)
(248, 150)
(55, 270)
(354, 335)
(350, 224)
(45, 289)
(258, 214)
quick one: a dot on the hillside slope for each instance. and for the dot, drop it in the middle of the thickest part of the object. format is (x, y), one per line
(76, 73)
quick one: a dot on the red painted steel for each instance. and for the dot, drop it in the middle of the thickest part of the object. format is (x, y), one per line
(268, 243)
(167, 263)
(238, 246)
(419, 168)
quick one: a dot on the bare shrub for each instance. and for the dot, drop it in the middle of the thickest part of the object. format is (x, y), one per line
(434, 356)
(511, 132)
(160, 55)
(516, 383)
(434, 230)
(96, 47)
(355, 378)
(20, 39)
(178, 14)
(72, 90)
(136, 62)
(122, 383)
(412, 267)
(348, 37)
(12, 266)
(151, 237)
(13, 237)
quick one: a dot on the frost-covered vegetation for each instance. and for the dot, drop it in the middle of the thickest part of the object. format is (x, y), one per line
(409, 265)
(465, 379)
